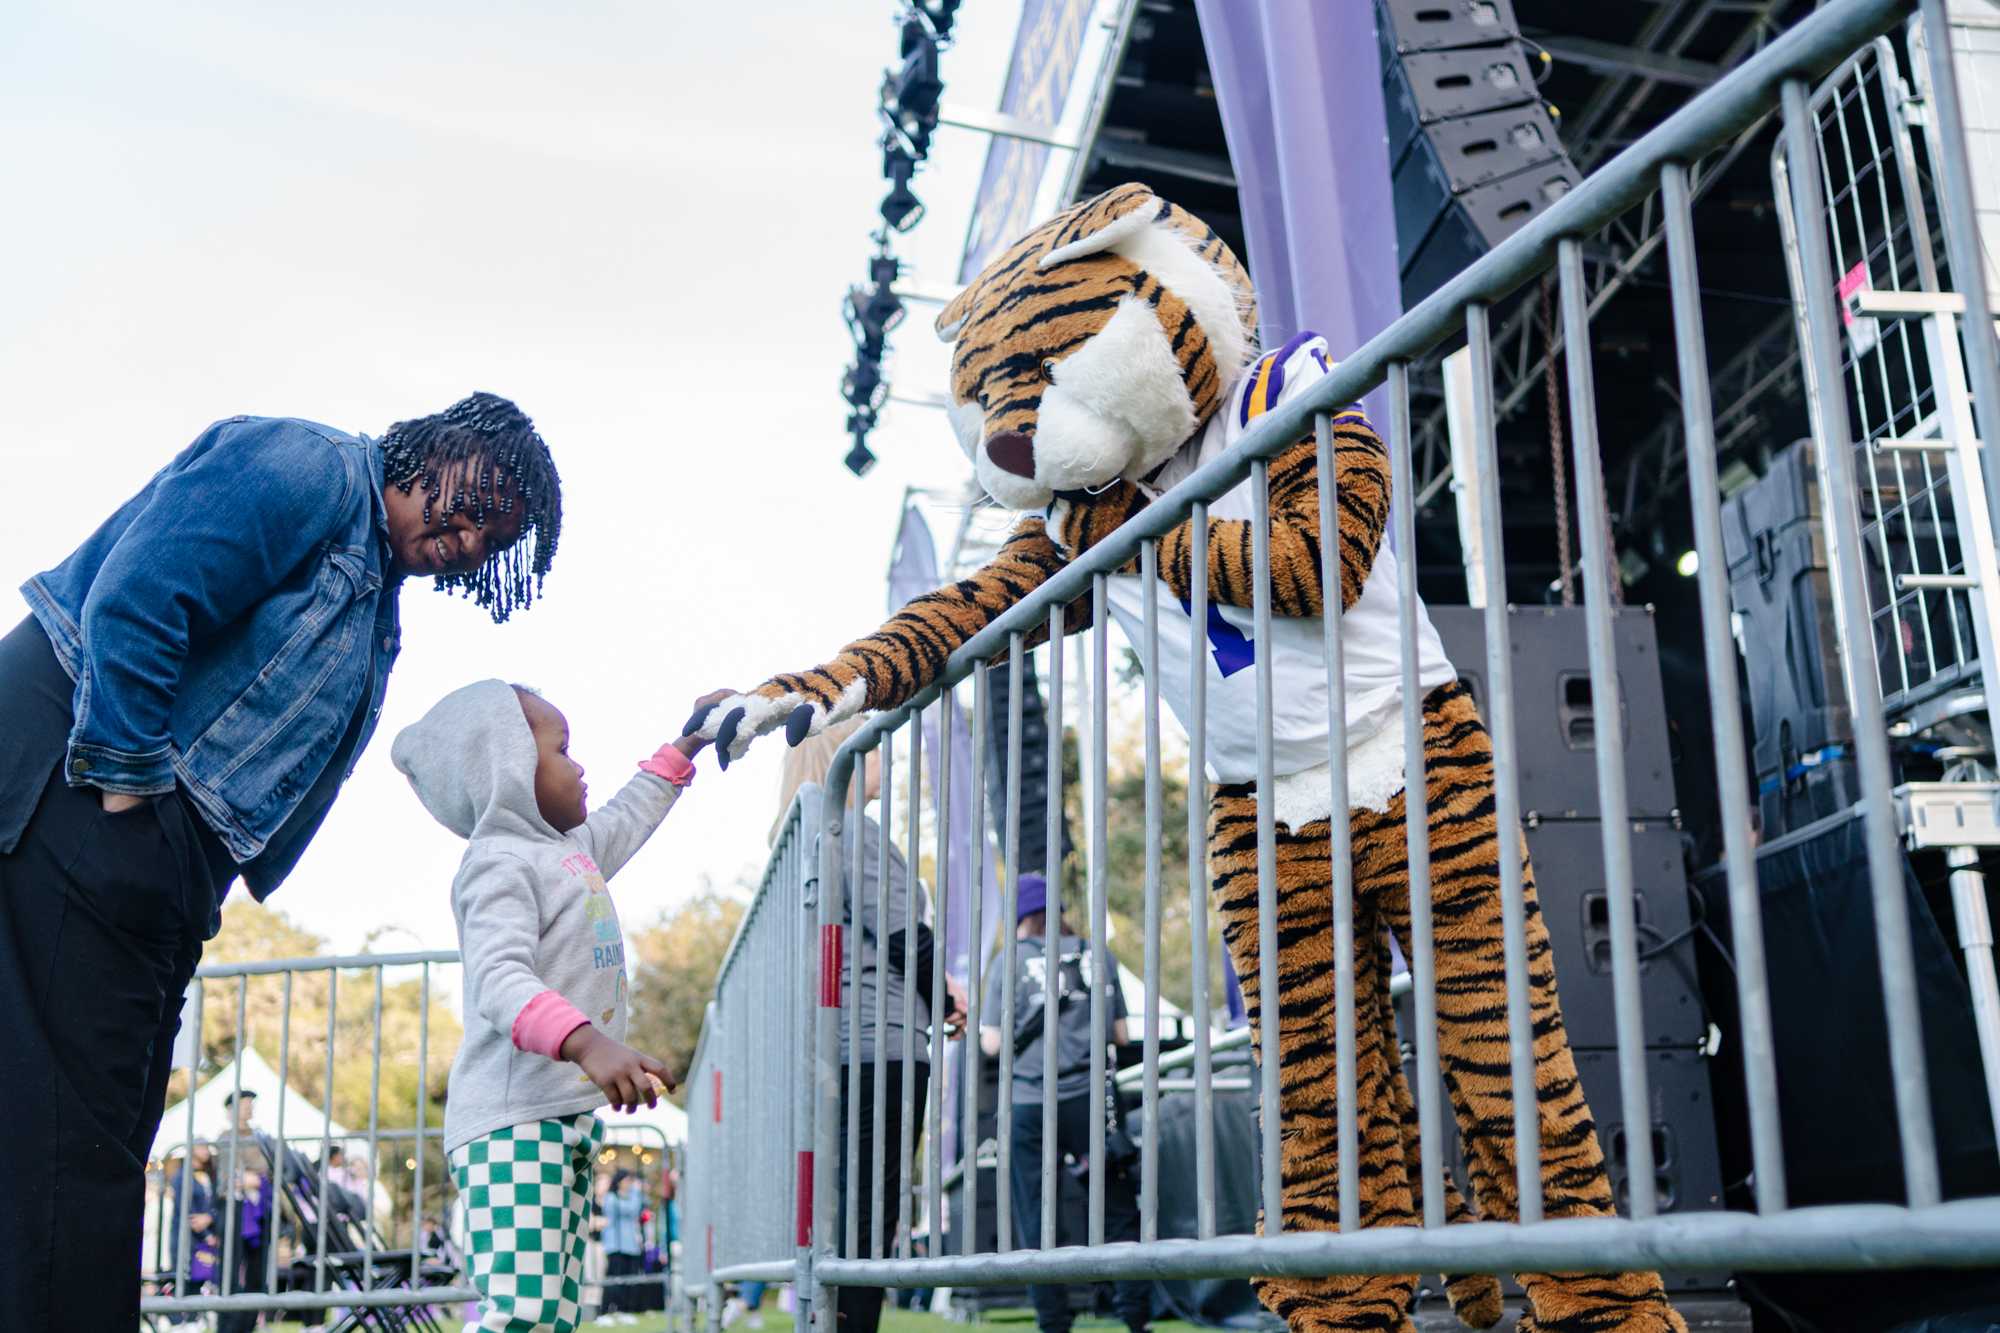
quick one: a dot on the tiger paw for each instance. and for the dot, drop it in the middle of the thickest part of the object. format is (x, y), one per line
(734, 721)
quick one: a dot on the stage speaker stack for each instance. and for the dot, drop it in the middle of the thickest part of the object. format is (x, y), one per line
(1473, 150)
(1836, 1118)
(1802, 735)
(1557, 722)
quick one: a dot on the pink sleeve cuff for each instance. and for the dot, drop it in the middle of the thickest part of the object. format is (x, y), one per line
(544, 1024)
(669, 763)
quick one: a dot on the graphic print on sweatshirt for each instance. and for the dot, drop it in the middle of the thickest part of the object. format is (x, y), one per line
(607, 943)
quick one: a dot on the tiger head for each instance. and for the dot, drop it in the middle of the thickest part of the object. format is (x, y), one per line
(1095, 347)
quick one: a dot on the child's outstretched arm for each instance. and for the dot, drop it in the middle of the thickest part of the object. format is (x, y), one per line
(616, 830)
(500, 924)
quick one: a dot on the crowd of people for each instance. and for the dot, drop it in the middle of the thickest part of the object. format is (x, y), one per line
(234, 1222)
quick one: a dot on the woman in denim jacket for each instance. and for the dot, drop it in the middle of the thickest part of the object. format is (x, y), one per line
(192, 687)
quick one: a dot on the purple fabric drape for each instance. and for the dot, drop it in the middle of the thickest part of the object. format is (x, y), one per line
(913, 572)
(1300, 93)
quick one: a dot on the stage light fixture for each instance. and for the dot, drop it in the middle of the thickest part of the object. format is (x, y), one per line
(901, 209)
(859, 459)
(871, 314)
(941, 13)
(863, 385)
(910, 92)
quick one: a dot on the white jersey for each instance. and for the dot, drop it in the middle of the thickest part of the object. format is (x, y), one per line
(1370, 641)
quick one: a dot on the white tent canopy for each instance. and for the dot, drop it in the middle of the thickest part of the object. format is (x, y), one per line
(212, 1119)
(669, 1119)
(1134, 988)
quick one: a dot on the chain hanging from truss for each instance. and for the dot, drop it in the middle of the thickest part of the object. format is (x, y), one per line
(1559, 472)
(1558, 465)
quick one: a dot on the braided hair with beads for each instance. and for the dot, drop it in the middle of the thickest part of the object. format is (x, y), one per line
(505, 467)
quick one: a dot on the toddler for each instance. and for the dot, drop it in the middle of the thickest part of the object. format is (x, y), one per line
(545, 985)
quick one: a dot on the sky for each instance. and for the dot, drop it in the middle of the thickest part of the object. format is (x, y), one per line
(635, 219)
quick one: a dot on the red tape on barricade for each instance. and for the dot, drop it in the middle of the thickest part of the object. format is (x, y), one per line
(829, 967)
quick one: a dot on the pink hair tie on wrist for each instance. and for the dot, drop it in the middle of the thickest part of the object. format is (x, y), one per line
(669, 763)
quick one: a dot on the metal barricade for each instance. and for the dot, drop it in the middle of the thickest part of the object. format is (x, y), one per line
(1924, 1231)
(656, 1158)
(337, 1260)
(1941, 600)
(384, 1245)
(1931, 584)
(748, 1190)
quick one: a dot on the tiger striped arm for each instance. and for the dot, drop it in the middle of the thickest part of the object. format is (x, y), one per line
(1361, 496)
(891, 665)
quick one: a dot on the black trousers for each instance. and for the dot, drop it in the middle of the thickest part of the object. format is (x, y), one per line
(623, 1297)
(250, 1264)
(1121, 1208)
(859, 1309)
(102, 918)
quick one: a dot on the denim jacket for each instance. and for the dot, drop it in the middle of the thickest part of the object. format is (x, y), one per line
(225, 627)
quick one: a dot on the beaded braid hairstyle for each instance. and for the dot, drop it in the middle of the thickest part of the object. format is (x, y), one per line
(507, 465)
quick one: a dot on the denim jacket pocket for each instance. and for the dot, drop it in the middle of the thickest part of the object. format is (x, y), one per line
(321, 645)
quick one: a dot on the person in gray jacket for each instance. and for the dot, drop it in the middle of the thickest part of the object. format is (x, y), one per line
(545, 983)
(894, 968)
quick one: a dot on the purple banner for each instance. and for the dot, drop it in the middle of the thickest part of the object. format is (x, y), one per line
(1301, 107)
(1046, 47)
(913, 571)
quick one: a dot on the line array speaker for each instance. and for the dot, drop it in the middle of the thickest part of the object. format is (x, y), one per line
(1473, 150)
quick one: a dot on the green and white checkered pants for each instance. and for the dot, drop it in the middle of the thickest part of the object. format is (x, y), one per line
(527, 1197)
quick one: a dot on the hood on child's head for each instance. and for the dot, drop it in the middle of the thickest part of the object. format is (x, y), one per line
(472, 759)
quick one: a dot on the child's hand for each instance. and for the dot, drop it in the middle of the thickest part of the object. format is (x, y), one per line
(625, 1076)
(690, 746)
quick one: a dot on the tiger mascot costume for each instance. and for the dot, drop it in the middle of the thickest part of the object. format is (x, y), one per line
(1101, 359)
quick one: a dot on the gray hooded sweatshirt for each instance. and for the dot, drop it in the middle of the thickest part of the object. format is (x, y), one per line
(533, 911)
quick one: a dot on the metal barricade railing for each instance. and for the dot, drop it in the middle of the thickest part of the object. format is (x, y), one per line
(748, 1192)
(337, 1261)
(1905, 390)
(1923, 1231)
(387, 1238)
(1932, 589)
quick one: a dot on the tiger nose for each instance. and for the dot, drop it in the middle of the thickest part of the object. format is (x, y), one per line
(1013, 452)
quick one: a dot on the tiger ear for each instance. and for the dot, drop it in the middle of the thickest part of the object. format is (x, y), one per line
(956, 311)
(1112, 217)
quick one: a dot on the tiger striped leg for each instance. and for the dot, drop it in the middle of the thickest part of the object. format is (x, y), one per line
(1472, 1021)
(1308, 1097)
(1475, 1297)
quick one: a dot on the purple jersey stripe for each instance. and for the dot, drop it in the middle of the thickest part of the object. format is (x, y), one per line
(1285, 353)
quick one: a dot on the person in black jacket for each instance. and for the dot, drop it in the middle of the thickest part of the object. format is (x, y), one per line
(1066, 970)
